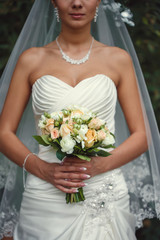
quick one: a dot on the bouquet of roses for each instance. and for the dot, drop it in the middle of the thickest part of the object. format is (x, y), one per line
(75, 131)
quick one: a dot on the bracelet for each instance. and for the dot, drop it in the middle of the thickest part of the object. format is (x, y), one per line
(25, 160)
(24, 169)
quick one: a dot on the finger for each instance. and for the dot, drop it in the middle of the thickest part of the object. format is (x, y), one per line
(71, 175)
(67, 190)
(70, 184)
(79, 167)
(70, 168)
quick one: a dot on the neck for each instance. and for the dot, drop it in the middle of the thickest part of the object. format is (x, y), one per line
(74, 37)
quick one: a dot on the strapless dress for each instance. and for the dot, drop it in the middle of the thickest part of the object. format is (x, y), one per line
(105, 214)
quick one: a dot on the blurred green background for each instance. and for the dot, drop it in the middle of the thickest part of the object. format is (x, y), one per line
(146, 38)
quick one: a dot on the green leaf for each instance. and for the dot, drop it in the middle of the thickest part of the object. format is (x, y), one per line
(82, 157)
(77, 148)
(45, 139)
(94, 150)
(103, 153)
(57, 140)
(54, 145)
(60, 155)
(112, 135)
(40, 140)
(91, 153)
(96, 145)
(108, 146)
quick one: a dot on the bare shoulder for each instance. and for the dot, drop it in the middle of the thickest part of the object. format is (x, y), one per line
(32, 55)
(117, 55)
(35, 55)
(122, 64)
(33, 59)
(114, 60)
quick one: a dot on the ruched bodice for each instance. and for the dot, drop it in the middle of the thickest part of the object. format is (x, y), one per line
(98, 93)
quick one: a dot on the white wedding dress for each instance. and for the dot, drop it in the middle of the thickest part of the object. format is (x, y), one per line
(104, 215)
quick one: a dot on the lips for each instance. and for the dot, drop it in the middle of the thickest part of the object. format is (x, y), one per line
(77, 15)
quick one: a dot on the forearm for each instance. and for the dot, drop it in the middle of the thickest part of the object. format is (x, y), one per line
(131, 148)
(16, 151)
(53, 173)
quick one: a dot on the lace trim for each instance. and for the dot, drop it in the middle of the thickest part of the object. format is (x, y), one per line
(8, 221)
(3, 175)
(143, 199)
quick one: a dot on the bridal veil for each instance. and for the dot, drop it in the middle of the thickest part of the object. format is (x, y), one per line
(142, 174)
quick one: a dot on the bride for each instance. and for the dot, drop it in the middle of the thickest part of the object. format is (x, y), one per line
(75, 69)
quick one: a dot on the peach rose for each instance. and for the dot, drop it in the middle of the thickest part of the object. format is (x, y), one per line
(50, 124)
(70, 122)
(65, 119)
(76, 113)
(107, 130)
(65, 129)
(95, 123)
(44, 131)
(101, 135)
(91, 138)
(54, 133)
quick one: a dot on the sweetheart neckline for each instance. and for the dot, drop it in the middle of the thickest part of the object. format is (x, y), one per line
(99, 74)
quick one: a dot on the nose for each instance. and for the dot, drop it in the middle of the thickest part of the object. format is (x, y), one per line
(77, 4)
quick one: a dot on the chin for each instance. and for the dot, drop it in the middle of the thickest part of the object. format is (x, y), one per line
(78, 24)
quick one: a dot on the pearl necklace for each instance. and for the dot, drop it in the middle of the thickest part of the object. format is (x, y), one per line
(75, 61)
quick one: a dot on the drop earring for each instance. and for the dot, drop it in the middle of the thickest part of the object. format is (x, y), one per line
(96, 15)
(56, 13)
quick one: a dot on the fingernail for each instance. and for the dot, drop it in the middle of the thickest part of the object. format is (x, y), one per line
(83, 168)
(75, 190)
(87, 176)
(84, 184)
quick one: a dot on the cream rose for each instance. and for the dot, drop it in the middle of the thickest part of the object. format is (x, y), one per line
(41, 124)
(82, 132)
(108, 140)
(65, 129)
(101, 135)
(54, 133)
(67, 144)
(96, 123)
(56, 115)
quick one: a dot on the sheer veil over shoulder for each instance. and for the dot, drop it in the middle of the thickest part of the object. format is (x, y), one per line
(141, 175)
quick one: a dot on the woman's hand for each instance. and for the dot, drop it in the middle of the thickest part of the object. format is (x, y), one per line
(93, 168)
(66, 178)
